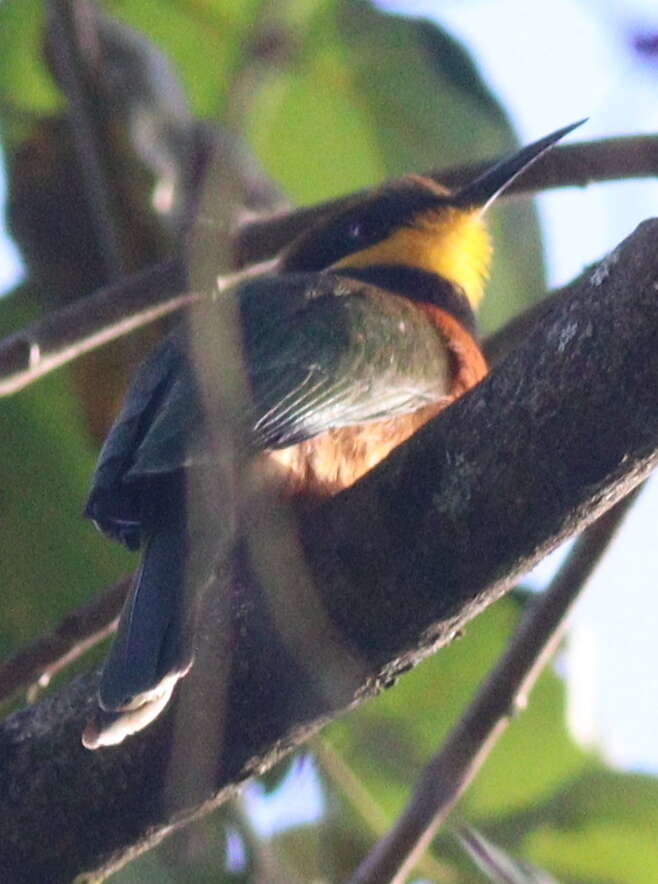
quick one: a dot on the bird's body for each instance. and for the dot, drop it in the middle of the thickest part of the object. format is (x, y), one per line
(363, 334)
(334, 460)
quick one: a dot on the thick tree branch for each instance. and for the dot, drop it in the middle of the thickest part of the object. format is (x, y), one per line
(561, 430)
(504, 692)
(144, 297)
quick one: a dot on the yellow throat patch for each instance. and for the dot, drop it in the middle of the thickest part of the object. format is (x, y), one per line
(452, 242)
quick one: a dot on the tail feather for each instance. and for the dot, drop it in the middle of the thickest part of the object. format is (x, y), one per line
(154, 644)
(153, 641)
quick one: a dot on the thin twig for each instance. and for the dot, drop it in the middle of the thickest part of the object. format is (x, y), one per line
(65, 24)
(571, 165)
(78, 631)
(353, 790)
(89, 322)
(504, 692)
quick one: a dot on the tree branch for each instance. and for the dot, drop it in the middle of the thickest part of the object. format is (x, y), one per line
(501, 695)
(560, 430)
(505, 339)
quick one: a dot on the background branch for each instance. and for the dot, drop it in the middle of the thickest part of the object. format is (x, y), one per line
(70, 22)
(503, 693)
(89, 322)
(560, 430)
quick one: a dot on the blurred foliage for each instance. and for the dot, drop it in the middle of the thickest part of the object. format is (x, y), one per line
(331, 95)
(53, 559)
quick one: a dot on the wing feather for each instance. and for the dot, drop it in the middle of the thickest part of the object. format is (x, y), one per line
(321, 351)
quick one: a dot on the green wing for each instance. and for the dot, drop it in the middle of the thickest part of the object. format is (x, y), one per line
(321, 351)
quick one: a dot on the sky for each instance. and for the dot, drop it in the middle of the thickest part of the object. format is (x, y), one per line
(551, 62)
(11, 269)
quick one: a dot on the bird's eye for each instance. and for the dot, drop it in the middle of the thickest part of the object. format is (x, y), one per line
(363, 230)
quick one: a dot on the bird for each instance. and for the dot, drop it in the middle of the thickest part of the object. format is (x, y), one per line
(361, 332)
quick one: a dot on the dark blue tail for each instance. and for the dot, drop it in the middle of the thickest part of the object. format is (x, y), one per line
(154, 638)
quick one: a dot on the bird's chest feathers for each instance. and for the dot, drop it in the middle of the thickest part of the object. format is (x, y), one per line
(335, 460)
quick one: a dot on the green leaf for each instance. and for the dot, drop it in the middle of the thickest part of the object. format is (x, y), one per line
(25, 84)
(207, 41)
(601, 828)
(598, 852)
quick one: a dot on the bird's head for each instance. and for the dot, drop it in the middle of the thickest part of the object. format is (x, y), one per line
(416, 222)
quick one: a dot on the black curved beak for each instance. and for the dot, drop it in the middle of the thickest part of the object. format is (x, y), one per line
(484, 190)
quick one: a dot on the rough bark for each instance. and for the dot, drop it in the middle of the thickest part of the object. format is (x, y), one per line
(393, 569)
